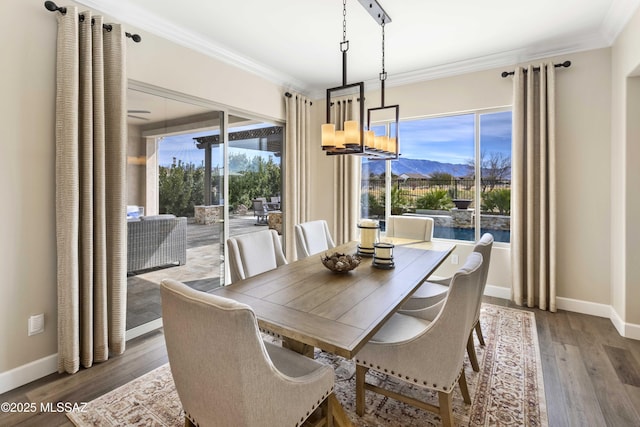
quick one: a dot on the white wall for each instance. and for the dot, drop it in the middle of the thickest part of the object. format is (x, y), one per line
(588, 169)
(625, 178)
(583, 134)
(28, 248)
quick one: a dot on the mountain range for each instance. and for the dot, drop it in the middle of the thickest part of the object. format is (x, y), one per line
(415, 166)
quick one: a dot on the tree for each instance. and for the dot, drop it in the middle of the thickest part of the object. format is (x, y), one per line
(495, 167)
(258, 178)
(180, 188)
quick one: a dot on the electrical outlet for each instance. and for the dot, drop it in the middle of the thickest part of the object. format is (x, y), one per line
(454, 259)
(36, 324)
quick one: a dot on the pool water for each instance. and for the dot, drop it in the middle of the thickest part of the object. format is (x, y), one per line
(468, 234)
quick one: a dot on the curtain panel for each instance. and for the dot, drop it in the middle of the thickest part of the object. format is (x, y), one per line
(346, 177)
(533, 213)
(90, 190)
(296, 168)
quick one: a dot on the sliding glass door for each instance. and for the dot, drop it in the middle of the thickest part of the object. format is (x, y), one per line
(193, 175)
(175, 201)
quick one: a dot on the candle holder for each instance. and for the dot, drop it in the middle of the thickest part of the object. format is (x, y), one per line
(369, 236)
(383, 256)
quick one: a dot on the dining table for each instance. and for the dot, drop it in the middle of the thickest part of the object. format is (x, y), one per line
(310, 306)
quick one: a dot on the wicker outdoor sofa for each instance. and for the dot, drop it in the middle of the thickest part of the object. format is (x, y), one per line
(155, 241)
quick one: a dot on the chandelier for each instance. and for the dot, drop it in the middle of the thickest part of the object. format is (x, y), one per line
(350, 136)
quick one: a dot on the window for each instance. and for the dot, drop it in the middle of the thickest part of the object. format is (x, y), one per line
(442, 161)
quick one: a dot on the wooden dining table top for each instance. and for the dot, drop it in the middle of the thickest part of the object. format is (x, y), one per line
(337, 312)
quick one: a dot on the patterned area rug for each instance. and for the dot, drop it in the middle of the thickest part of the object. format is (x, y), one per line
(507, 391)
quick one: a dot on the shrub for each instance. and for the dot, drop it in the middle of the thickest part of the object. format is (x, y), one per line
(497, 200)
(371, 206)
(435, 199)
(399, 200)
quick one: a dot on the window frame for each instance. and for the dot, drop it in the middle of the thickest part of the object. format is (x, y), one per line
(477, 113)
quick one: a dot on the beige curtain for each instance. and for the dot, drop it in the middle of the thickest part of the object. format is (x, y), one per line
(90, 190)
(346, 178)
(533, 214)
(296, 169)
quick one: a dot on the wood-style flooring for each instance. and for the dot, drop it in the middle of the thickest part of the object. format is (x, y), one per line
(591, 374)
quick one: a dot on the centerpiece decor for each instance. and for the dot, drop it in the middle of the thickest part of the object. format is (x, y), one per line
(369, 236)
(340, 263)
(383, 256)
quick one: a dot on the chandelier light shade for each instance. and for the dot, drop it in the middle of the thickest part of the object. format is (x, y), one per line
(347, 137)
(387, 142)
(351, 136)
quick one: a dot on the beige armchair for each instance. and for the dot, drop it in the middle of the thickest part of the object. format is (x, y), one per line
(433, 292)
(410, 227)
(254, 253)
(424, 353)
(312, 238)
(226, 375)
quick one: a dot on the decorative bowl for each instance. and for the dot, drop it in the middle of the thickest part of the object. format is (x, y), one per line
(339, 262)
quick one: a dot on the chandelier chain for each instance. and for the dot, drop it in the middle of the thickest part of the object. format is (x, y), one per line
(344, 20)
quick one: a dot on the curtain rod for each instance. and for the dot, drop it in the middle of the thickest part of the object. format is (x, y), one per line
(51, 6)
(565, 64)
(289, 95)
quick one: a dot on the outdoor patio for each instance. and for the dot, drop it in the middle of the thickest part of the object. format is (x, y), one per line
(202, 270)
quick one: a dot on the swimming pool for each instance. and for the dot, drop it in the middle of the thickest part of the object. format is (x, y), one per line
(468, 234)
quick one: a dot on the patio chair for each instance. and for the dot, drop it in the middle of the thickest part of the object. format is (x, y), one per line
(260, 211)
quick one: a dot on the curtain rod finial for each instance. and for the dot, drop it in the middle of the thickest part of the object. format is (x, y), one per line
(135, 37)
(51, 6)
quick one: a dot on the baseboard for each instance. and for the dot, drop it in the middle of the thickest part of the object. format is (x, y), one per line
(26, 373)
(143, 329)
(37, 369)
(497, 291)
(627, 330)
(584, 307)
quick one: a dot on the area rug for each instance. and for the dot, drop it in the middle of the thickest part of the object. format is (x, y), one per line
(508, 390)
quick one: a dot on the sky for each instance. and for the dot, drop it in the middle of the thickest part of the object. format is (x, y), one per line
(183, 147)
(450, 139)
(447, 139)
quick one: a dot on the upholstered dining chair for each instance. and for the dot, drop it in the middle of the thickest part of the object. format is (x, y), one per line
(432, 292)
(226, 375)
(254, 253)
(410, 227)
(312, 237)
(424, 353)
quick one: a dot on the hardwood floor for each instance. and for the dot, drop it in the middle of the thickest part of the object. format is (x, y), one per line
(591, 374)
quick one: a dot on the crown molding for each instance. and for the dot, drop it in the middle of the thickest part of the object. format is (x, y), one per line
(142, 19)
(613, 23)
(503, 59)
(617, 18)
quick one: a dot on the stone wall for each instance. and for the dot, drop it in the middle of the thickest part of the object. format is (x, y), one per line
(206, 215)
(465, 218)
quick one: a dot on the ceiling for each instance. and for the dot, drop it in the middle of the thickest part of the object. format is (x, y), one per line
(295, 43)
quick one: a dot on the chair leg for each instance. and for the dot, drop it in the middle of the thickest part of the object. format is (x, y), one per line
(446, 412)
(471, 350)
(479, 333)
(361, 372)
(329, 409)
(464, 388)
